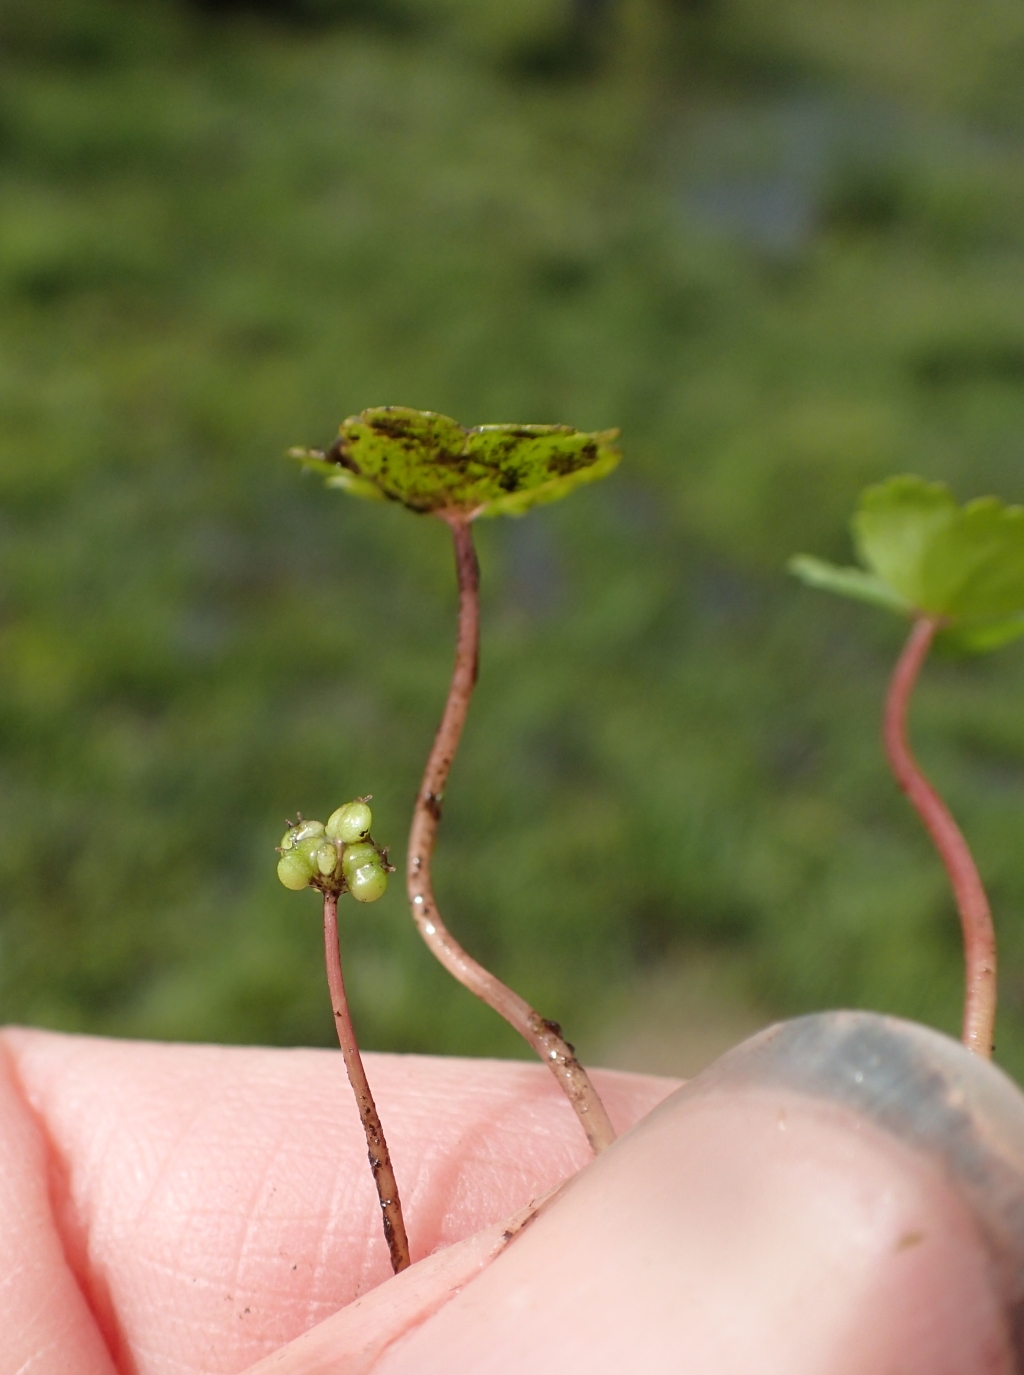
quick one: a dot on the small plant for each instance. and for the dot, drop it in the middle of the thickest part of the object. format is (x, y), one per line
(434, 466)
(342, 857)
(958, 574)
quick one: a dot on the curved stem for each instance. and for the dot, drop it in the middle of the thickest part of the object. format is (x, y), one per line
(377, 1147)
(975, 915)
(544, 1036)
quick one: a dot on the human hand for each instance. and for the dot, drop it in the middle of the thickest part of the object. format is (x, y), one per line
(194, 1209)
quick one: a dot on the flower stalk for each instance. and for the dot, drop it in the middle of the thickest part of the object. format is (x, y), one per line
(376, 1144)
(342, 857)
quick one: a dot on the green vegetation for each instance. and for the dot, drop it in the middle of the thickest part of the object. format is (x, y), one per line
(963, 565)
(780, 246)
(430, 463)
(957, 574)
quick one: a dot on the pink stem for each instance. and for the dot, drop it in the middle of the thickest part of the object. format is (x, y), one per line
(544, 1036)
(975, 915)
(377, 1147)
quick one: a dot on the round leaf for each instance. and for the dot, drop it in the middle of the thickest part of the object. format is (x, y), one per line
(893, 528)
(430, 463)
(925, 555)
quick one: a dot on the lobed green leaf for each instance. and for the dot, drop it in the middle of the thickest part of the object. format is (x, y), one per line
(925, 555)
(428, 462)
(847, 582)
(893, 528)
(979, 638)
(975, 568)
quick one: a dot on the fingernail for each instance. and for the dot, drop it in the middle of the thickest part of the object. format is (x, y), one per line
(962, 1112)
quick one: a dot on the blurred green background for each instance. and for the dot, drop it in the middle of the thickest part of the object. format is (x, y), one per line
(782, 246)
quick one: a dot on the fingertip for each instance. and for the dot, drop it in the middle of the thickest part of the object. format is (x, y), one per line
(779, 1214)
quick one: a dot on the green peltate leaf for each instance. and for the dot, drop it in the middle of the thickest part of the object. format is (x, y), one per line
(847, 582)
(314, 461)
(979, 637)
(925, 555)
(893, 529)
(974, 569)
(430, 463)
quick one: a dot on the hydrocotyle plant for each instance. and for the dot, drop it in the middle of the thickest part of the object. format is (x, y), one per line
(957, 573)
(434, 466)
(336, 858)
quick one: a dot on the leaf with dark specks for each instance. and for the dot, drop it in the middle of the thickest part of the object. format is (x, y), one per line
(430, 463)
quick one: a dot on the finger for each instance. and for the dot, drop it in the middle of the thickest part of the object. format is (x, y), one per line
(351, 1341)
(46, 1326)
(220, 1199)
(762, 1223)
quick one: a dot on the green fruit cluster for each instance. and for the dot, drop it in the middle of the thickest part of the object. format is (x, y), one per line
(340, 857)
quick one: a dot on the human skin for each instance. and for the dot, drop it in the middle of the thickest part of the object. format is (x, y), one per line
(171, 1210)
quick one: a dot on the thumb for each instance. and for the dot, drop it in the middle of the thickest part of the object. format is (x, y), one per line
(842, 1195)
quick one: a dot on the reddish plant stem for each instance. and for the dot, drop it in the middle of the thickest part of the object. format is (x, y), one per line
(975, 915)
(376, 1145)
(544, 1036)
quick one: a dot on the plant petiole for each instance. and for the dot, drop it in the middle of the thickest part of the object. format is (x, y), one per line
(544, 1036)
(972, 903)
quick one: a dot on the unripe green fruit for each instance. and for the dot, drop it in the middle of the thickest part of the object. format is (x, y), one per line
(327, 859)
(368, 883)
(350, 823)
(309, 849)
(355, 856)
(305, 830)
(293, 871)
